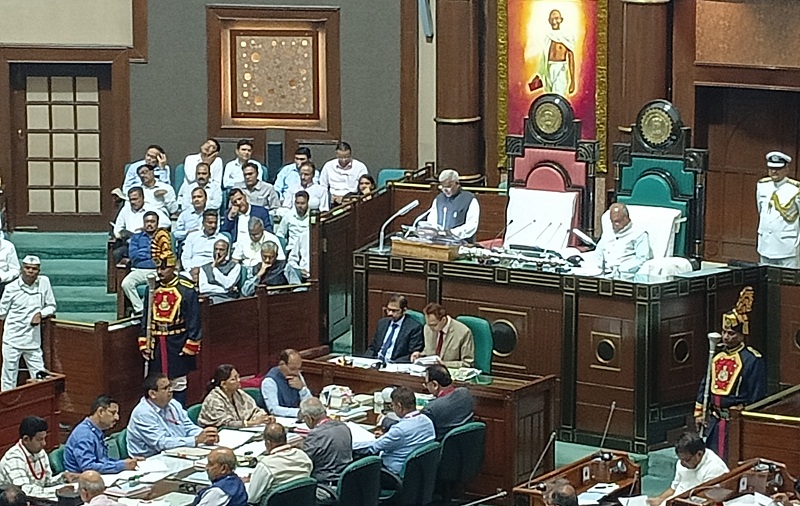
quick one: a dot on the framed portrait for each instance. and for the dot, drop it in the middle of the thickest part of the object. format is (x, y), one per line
(554, 46)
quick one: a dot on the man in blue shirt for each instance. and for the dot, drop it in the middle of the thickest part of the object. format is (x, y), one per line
(160, 423)
(86, 450)
(289, 175)
(283, 387)
(411, 432)
(142, 263)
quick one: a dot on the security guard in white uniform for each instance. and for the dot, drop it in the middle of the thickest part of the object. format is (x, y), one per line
(778, 201)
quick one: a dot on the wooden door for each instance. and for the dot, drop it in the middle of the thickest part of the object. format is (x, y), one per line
(60, 114)
(739, 127)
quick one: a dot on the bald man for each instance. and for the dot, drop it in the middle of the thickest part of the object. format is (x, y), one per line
(561, 493)
(627, 247)
(283, 463)
(91, 488)
(284, 387)
(226, 489)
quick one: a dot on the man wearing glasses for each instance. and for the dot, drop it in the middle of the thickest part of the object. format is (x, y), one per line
(397, 336)
(455, 210)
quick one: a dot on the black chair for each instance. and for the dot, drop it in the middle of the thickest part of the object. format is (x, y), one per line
(415, 483)
(359, 484)
(300, 492)
(461, 457)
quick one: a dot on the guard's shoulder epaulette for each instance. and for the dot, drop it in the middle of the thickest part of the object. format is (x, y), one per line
(765, 179)
(793, 182)
(754, 351)
(186, 283)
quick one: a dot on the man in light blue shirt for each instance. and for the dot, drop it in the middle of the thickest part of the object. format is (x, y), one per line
(154, 156)
(411, 432)
(284, 387)
(191, 218)
(289, 175)
(86, 450)
(198, 249)
(160, 423)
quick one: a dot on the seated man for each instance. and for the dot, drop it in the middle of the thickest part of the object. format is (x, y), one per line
(454, 209)
(446, 337)
(289, 175)
(219, 280)
(156, 157)
(91, 487)
(199, 247)
(236, 220)
(248, 252)
(142, 263)
(283, 463)
(130, 220)
(295, 222)
(86, 450)
(298, 265)
(696, 465)
(397, 336)
(12, 495)
(627, 248)
(157, 194)
(26, 464)
(209, 154)
(158, 422)
(233, 169)
(204, 181)
(283, 387)
(269, 272)
(329, 443)
(191, 218)
(340, 175)
(452, 406)
(258, 192)
(226, 489)
(405, 436)
(318, 198)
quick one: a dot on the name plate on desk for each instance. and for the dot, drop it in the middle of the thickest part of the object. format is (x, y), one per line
(424, 250)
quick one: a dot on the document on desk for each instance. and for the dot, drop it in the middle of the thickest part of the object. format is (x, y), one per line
(359, 433)
(416, 370)
(595, 494)
(359, 362)
(288, 422)
(199, 477)
(49, 493)
(251, 449)
(233, 438)
(637, 500)
(754, 499)
(426, 361)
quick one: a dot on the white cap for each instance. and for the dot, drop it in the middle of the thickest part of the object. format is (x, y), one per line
(31, 260)
(778, 160)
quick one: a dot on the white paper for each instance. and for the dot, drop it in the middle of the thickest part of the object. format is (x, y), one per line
(429, 360)
(244, 472)
(177, 499)
(416, 370)
(151, 466)
(233, 438)
(637, 500)
(172, 464)
(287, 422)
(252, 449)
(199, 477)
(359, 433)
(603, 488)
(188, 452)
(110, 479)
(753, 499)
(589, 498)
(762, 499)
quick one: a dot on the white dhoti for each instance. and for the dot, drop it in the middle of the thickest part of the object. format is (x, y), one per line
(789, 262)
(34, 359)
(558, 72)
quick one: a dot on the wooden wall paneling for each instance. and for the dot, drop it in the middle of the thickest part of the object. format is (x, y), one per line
(381, 286)
(338, 236)
(369, 215)
(789, 336)
(39, 398)
(681, 349)
(569, 360)
(683, 57)
(409, 75)
(282, 325)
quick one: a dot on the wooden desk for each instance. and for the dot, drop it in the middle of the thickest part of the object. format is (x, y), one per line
(611, 467)
(37, 398)
(763, 428)
(518, 413)
(755, 475)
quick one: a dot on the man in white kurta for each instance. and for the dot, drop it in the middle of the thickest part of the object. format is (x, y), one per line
(627, 247)
(778, 202)
(9, 264)
(25, 303)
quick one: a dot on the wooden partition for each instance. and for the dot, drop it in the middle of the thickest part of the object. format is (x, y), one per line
(37, 398)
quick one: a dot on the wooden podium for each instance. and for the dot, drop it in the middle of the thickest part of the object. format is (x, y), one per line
(424, 250)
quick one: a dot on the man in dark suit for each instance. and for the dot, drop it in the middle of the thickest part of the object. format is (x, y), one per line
(398, 336)
(235, 221)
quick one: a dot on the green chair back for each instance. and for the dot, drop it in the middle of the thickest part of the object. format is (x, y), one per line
(193, 412)
(386, 175)
(178, 175)
(57, 460)
(255, 393)
(416, 315)
(462, 453)
(300, 492)
(418, 480)
(121, 439)
(360, 483)
(484, 342)
(112, 447)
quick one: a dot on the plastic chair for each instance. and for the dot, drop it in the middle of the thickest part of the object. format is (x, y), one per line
(300, 492)
(177, 177)
(255, 393)
(461, 457)
(112, 447)
(416, 315)
(359, 484)
(193, 412)
(386, 175)
(484, 342)
(57, 460)
(415, 483)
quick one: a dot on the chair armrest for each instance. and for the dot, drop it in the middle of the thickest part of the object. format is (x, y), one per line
(325, 494)
(390, 481)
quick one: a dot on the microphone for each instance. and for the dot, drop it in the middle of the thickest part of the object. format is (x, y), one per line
(536, 240)
(553, 235)
(414, 224)
(502, 231)
(633, 485)
(608, 422)
(584, 237)
(507, 239)
(402, 212)
(541, 457)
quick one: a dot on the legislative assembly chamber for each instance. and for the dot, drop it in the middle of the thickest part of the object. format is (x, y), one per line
(408, 252)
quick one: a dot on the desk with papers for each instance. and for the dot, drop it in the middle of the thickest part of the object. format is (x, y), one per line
(519, 412)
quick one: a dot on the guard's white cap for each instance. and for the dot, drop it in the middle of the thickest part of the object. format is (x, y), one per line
(778, 160)
(31, 260)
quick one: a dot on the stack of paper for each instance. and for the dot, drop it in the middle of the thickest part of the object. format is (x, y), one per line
(252, 449)
(233, 438)
(359, 433)
(429, 360)
(128, 489)
(187, 452)
(595, 494)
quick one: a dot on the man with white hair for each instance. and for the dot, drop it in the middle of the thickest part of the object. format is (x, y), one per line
(25, 303)
(454, 209)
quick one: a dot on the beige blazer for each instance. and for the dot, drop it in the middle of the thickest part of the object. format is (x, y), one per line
(458, 348)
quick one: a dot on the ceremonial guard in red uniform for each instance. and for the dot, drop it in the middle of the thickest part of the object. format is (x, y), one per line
(171, 323)
(738, 376)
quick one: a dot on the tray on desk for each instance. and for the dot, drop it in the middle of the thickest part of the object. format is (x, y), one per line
(424, 250)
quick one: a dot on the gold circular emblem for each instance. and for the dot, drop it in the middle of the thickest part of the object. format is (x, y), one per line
(548, 118)
(656, 126)
(723, 375)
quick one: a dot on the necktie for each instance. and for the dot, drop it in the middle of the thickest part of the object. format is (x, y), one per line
(388, 341)
(439, 343)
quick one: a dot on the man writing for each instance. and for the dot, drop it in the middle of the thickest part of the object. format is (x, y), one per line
(397, 336)
(447, 338)
(283, 463)
(226, 489)
(283, 387)
(26, 301)
(86, 449)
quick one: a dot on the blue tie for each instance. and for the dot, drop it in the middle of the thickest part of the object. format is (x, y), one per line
(388, 341)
